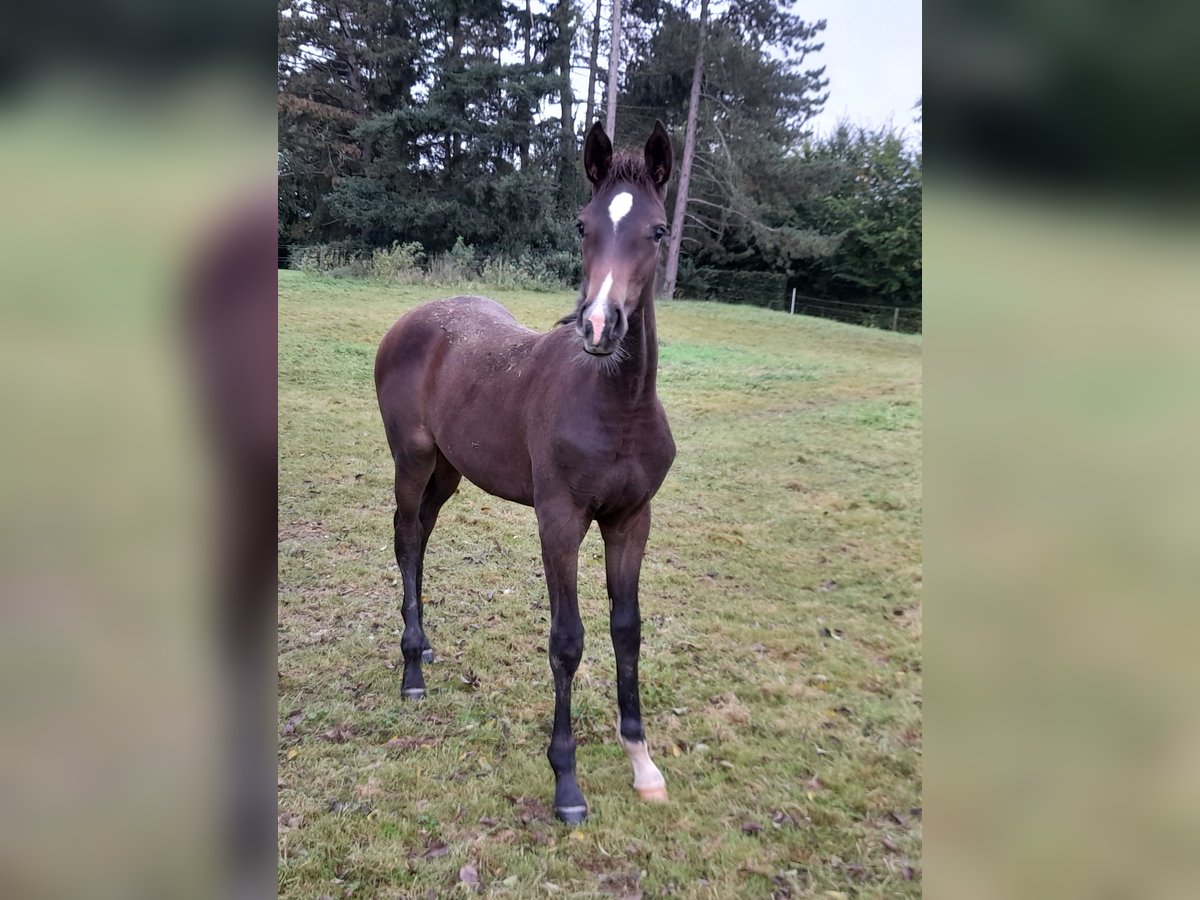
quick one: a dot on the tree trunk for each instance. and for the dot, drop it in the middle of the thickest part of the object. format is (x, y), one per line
(614, 59)
(685, 169)
(566, 178)
(526, 112)
(592, 60)
(354, 76)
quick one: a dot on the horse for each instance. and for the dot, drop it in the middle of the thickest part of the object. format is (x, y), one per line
(566, 421)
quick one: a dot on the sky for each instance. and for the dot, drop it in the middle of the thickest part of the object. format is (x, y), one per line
(872, 57)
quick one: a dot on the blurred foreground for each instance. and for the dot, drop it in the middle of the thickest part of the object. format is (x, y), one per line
(1063, 507)
(137, 386)
(1063, 511)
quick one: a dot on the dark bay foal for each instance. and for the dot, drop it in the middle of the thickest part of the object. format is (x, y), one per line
(568, 422)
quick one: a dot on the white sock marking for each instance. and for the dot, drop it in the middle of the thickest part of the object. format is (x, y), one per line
(619, 207)
(645, 773)
(596, 314)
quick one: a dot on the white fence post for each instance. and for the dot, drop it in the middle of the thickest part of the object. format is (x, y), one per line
(895, 318)
(793, 301)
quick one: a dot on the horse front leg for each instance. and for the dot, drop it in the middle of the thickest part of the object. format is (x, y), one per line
(624, 546)
(561, 527)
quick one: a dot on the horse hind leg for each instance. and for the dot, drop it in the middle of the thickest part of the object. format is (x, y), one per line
(440, 488)
(413, 472)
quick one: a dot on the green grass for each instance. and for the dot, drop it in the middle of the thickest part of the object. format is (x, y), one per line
(781, 667)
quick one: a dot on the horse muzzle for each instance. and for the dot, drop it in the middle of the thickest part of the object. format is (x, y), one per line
(601, 327)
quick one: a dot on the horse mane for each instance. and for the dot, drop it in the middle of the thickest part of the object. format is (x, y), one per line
(569, 318)
(624, 168)
(627, 168)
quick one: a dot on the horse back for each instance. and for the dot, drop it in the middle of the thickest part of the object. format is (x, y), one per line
(455, 374)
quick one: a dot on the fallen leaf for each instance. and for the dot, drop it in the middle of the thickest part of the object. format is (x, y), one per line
(292, 753)
(293, 720)
(675, 751)
(468, 876)
(529, 809)
(339, 734)
(436, 850)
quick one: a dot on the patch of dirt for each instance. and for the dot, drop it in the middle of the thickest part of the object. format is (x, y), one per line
(302, 531)
(730, 708)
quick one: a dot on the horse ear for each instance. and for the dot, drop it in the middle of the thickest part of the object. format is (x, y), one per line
(659, 155)
(597, 154)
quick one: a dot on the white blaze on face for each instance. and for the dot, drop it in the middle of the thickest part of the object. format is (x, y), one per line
(619, 207)
(648, 781)
(596, 312)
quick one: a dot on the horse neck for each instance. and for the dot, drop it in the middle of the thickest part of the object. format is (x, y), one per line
(638, 371)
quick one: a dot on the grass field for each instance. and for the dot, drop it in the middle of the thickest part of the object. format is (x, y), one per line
(781, 666)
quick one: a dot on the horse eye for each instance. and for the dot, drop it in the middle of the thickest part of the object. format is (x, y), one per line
(579, 228)
(660, 232)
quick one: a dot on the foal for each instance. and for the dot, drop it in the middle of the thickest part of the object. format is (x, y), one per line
(567, 422)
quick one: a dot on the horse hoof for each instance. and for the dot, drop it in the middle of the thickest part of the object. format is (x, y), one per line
(427, 655)
(656, 794)
(413, 693)
(571, 815)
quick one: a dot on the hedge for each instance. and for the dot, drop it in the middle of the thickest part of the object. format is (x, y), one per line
(768, 289)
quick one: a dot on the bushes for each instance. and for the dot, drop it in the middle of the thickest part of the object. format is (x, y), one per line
(546, 270)
(400, 262)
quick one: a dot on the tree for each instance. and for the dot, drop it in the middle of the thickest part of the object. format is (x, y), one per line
(872, 204)
(614, 60)
(407, 120)
(685, 169)
(756, 95)
(593, 57)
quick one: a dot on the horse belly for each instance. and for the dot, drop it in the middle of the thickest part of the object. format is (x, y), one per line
(482, 441)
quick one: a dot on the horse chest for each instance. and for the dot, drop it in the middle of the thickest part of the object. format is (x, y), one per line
(618, 460)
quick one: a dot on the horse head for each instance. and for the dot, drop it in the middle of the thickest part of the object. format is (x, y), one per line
(622, 228)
